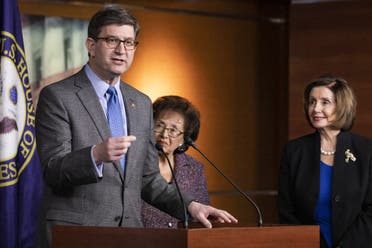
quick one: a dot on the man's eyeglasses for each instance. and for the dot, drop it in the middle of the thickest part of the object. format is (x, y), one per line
(172, 132)
(112, 42)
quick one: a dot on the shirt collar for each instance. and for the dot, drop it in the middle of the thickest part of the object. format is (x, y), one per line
(98, 84)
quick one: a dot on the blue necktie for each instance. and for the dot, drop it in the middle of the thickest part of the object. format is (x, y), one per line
(114, 117)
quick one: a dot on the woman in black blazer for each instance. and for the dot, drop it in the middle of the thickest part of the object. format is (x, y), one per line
(326, 177)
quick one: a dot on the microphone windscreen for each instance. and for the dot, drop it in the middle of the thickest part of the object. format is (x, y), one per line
(189, 141)
(158, 147)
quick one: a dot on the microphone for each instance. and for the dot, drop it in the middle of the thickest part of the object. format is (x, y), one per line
(186, 221)
(191, 143)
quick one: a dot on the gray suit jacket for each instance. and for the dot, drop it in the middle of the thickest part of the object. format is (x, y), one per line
(69, 121)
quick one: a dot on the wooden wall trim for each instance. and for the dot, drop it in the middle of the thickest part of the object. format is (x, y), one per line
(79, 10)
(84, 9)
(318, 1)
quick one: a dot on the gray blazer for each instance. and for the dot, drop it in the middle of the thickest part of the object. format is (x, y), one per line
(69, 121)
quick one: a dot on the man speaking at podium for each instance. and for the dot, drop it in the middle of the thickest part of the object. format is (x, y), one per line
(96, 143)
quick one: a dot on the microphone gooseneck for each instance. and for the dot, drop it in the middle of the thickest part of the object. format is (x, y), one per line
(186, 219)
(191, 143)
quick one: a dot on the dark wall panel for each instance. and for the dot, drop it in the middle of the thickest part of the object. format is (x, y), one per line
(336, 38)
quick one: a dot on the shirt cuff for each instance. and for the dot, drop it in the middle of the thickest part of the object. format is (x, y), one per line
(98, 167)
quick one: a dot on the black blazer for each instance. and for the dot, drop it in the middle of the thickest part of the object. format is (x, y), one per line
(351, 187)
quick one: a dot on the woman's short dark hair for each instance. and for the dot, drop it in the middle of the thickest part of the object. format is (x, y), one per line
(182, 106)
(344, 97)
(108, 16)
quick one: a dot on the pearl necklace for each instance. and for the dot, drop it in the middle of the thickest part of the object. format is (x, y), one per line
(327, 153)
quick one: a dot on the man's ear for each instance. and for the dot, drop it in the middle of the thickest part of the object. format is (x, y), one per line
(90, 44)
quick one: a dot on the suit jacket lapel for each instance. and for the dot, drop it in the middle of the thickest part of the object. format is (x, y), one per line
(130, 107)
(314, 168)
(89, 99)
(340, 166)
(131, 118)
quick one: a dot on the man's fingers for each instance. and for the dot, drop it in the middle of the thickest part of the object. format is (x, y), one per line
(129, 138)
(121, 144)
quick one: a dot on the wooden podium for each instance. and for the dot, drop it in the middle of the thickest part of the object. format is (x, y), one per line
(222, 237)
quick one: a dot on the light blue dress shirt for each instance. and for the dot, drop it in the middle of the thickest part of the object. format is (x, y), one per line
(100, 88)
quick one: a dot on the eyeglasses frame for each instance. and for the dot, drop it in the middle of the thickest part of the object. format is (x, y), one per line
(106, 39)
(167, 129)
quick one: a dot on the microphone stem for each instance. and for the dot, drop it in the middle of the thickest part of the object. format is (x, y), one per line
(186, 221)
(260, 222)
